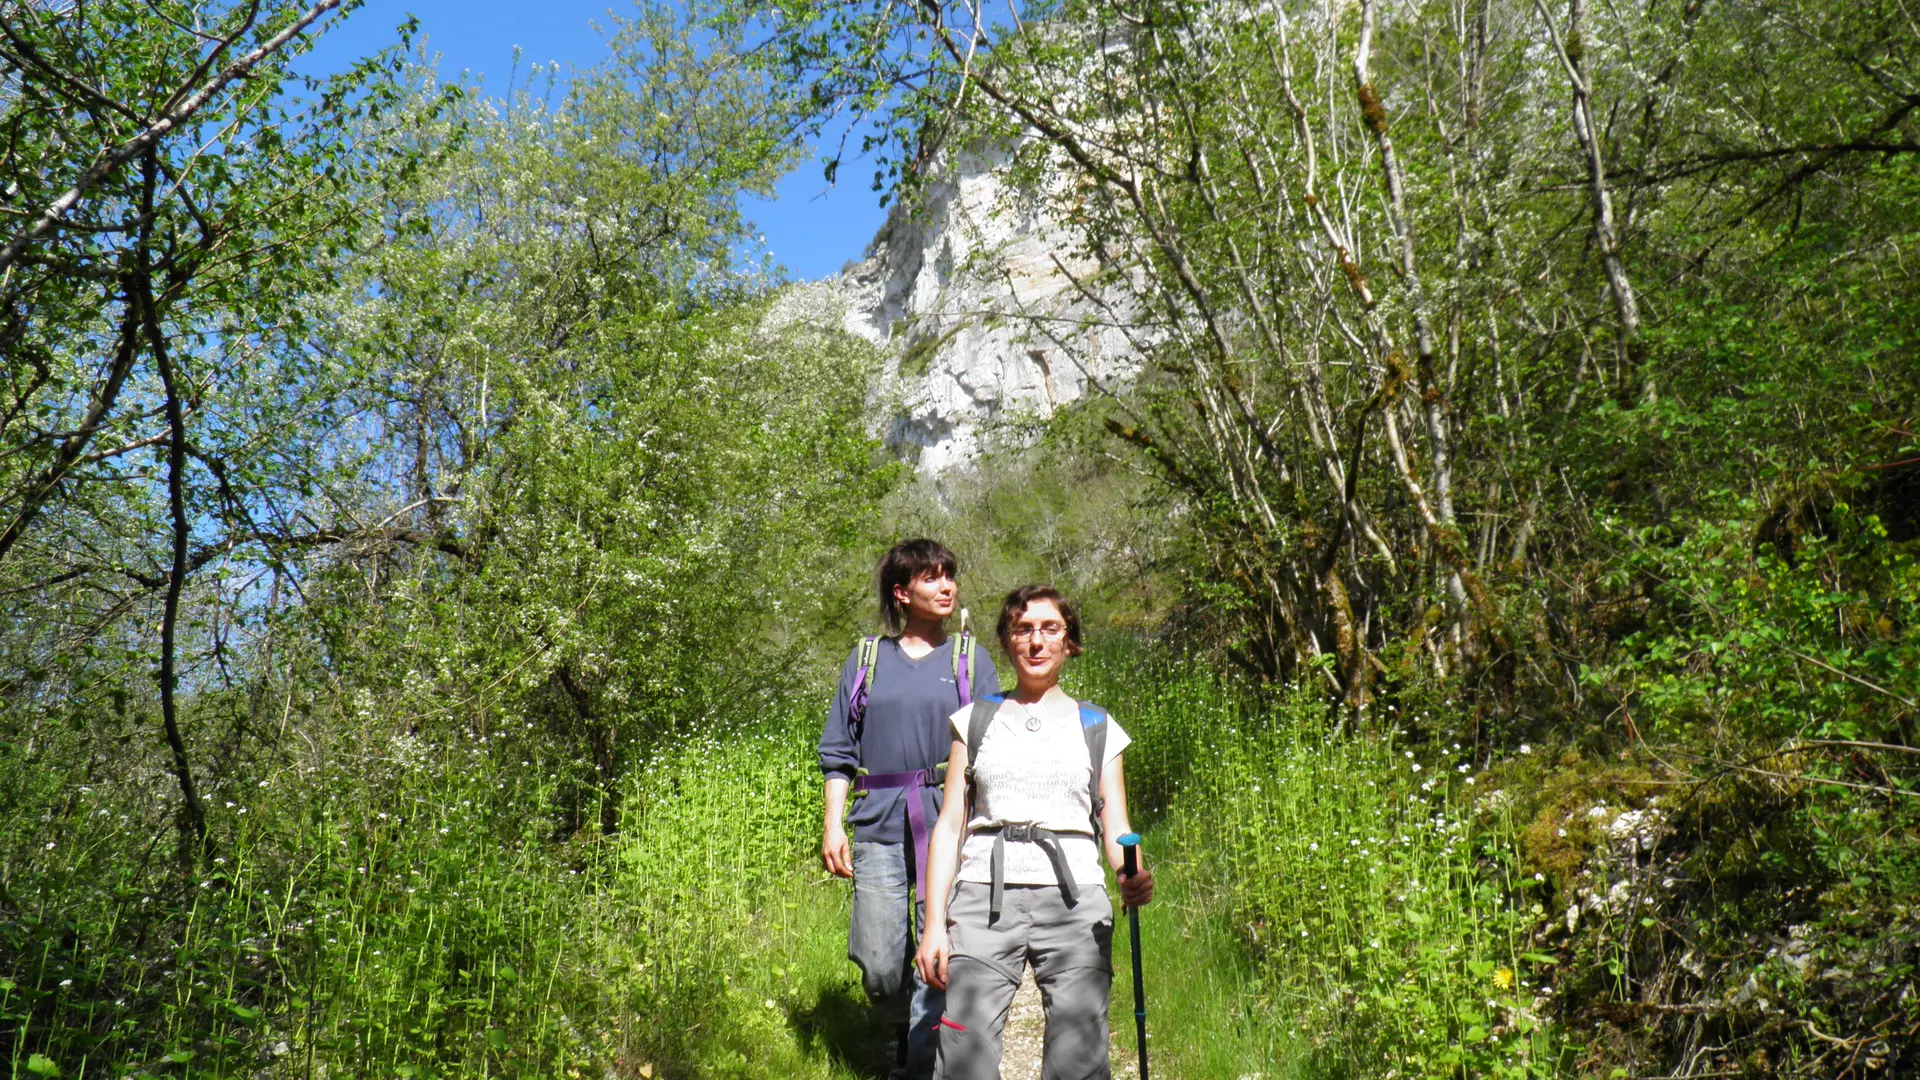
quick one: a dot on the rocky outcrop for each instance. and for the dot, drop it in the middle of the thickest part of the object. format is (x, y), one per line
(972, 296)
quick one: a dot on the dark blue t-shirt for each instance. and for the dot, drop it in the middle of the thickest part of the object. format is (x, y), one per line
(906, 728)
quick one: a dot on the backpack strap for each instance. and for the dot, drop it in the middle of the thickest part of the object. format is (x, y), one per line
(978, 719)
(963, 667)
(1093, 725)
(869, 656)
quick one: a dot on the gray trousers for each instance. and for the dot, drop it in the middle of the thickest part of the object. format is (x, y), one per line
(1071, 950)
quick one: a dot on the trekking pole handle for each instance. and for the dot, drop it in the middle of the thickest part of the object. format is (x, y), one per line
(1129, 854)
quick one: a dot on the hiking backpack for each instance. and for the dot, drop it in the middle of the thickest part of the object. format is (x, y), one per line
(869, 659)
(1093, 726)
(913, 779)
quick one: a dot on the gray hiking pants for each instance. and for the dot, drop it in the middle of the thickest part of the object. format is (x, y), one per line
(1071, 950)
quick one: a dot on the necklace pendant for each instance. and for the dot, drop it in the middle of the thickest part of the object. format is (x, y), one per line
(1033, 723)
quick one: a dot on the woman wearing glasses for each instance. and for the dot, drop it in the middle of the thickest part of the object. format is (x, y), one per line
(1017, 829)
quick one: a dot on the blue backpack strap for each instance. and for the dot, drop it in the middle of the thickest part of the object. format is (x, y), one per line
(1093, 725)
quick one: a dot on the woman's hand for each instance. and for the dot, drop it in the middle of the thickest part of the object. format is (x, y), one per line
(1136, 890)
(934, 953)
(835, 853)
(943, 859)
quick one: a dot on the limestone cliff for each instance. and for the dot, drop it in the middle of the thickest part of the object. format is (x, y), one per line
(970, 296)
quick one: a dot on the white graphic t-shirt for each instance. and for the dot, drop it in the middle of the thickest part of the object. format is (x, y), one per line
(1033, 768)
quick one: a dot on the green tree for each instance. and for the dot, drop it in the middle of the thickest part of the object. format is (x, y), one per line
(495, 478)
(172, 194)
(594, 490)
(1386, 269)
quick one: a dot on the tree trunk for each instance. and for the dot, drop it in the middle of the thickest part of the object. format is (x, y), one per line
(601, 738)
(1606, 234)
(193, 821)
(1435, 503)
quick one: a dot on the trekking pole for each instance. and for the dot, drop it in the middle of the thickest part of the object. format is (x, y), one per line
(1130, 849)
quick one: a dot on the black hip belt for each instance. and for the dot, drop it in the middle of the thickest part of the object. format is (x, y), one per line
(1049, 842)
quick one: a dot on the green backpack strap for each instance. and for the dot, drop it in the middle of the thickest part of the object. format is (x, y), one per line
(1093, 725)
(863, 686)
(964, 667)
(869, 653)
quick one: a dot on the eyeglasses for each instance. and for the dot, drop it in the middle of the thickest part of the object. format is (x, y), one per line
(1045, 632)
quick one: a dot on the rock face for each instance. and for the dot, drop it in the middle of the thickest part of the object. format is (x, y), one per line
(972, 297)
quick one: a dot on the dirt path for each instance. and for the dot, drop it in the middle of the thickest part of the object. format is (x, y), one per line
(1025, 1036)
(1021, 1042)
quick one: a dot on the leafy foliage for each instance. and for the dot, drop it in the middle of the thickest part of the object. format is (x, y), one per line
(510, 509)
(1511, 376)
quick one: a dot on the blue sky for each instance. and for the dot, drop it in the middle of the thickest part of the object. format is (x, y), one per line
(811, 229)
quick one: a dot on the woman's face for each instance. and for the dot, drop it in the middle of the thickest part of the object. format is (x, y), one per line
(927, 598)
(1037, 643)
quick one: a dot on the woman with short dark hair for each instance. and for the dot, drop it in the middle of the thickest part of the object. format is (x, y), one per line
(882, 745)
(1026, 811)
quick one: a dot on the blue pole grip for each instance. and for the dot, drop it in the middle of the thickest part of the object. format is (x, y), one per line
(1129, 853)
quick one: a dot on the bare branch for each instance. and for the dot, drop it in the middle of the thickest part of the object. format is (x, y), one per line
(190, 101)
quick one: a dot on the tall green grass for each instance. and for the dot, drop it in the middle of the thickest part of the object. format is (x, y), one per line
(374, 914)
(1373, 898)
(1209, 1012)
(410, 911)
(409, 906)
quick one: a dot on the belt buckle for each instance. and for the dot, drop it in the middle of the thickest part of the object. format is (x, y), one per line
(1020, 833)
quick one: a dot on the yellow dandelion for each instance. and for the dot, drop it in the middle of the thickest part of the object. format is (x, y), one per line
(1503, 978)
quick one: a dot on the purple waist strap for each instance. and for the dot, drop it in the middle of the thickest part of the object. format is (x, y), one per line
(916, 812)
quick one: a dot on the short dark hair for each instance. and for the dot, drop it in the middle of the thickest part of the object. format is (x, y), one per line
(1016, 605)
(904, 562)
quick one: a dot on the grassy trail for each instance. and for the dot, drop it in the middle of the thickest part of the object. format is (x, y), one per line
(432, 926)
(1206, 1016)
